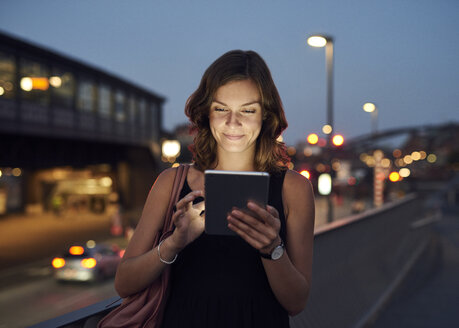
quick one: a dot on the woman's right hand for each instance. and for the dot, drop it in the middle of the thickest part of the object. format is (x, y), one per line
(189, 224)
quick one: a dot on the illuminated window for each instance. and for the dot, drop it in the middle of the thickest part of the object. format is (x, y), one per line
(7, 73)
(62, 84)
(120, 102)
(86, 95)
(34, 81)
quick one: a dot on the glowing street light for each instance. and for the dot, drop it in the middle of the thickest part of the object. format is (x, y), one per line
(317, 41)
(170, 150)
(327, 42)
(320, 41)
(338, 140)
(371, 108)
(313, 138)
(327, 129)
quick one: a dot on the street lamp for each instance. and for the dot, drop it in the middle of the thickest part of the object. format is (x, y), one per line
(371, 108)
(327, 42)
(170, 150)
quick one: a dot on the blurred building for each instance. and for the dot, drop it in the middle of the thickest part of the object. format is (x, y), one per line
(64, 122)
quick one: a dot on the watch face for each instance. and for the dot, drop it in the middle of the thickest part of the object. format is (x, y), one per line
(277, 252)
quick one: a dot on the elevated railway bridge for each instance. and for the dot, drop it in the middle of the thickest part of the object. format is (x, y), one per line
(63, 119)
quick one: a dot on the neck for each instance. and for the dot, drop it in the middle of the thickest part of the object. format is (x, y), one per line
(235, 162)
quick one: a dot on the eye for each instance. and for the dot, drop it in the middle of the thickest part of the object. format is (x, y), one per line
(249, 111)
(219, 109)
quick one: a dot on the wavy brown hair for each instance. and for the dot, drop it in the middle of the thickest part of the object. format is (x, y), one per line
(270, 154)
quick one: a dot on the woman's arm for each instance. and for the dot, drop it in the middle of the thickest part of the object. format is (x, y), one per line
(289, 276)
(140, 265)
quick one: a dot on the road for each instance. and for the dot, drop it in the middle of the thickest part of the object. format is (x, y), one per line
(28, 292)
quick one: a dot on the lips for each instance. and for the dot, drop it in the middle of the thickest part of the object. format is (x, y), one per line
(233, 136)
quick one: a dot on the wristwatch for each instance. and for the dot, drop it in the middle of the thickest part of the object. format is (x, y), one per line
(276, 254)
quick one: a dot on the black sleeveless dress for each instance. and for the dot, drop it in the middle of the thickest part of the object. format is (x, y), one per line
(219, 281)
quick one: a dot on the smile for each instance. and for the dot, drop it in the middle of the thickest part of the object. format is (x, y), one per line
(233, 136)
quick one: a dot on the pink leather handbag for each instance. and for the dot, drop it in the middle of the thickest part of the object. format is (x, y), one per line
(146, 308)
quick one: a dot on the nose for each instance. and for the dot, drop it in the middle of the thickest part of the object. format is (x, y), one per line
(233, 119)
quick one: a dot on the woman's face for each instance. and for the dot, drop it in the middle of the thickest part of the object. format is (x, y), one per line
(235, 116)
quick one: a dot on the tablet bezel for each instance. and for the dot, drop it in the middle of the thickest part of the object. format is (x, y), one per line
(226, 189)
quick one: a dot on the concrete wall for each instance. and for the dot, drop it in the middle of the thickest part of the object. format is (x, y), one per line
(360, 260)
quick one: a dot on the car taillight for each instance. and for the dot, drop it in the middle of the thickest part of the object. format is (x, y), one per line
(58, 262)
(76, 250)
(88, 263)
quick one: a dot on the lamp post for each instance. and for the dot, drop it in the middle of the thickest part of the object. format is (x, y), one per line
(371, 108)
(327, 42)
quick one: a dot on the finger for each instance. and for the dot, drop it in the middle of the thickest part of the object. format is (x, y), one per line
(269, 215)
(177, 217)
(247, 219)
(267, 227)
(253, 241)
(186, 202)
(252, 227)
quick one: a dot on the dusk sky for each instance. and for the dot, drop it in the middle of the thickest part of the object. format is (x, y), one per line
(402, 55)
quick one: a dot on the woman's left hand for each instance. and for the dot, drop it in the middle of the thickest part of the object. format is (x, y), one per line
(262, 231)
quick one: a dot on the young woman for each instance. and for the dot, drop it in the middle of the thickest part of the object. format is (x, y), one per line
(262, 275)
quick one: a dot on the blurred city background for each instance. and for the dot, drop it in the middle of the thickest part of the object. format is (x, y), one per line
(91, 111)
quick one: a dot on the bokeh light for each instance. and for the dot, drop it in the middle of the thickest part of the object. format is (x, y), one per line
(416, 156)
(385, 162)
(369, 107)
(306, 174)
(394, 176)
(291, 151)
(407, 159)
(313, 138)
(327, 129)
(404, 172)
(432, 158)
(338, 140)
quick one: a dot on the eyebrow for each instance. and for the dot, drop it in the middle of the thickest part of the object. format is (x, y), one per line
(246, 104)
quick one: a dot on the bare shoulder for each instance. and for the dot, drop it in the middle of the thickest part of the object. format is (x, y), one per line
(297, 193)
(295, 182)
(165, 178)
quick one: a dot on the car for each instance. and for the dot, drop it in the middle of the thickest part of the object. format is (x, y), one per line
(92, 262)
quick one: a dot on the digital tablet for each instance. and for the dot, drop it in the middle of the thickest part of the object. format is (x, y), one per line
(227, 189)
